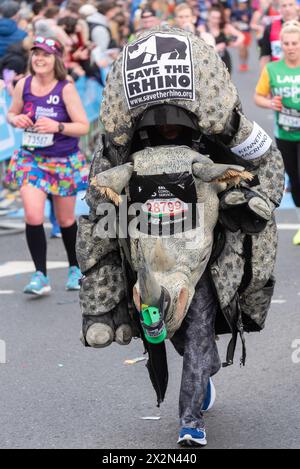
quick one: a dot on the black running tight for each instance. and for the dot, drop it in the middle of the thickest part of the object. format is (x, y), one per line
(36, 240)
(37, 244)
(291, 157)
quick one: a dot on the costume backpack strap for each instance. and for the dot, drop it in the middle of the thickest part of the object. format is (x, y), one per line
(237, 328)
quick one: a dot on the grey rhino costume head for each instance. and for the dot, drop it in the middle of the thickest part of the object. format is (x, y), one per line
(174, 262)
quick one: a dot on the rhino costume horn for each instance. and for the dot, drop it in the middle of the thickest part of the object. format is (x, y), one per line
(150, 293)
(150, 290)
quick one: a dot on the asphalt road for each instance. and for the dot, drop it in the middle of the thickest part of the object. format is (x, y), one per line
(57, 394)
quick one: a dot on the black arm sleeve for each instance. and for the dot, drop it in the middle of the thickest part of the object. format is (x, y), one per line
(265, 43)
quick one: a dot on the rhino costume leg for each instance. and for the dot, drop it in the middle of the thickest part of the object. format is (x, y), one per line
(195, 340)
(103, 293)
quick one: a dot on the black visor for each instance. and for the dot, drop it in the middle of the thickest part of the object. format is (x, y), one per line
(167, 114)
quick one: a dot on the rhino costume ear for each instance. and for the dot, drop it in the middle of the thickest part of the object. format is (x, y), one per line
(110, 183)
(220, 173)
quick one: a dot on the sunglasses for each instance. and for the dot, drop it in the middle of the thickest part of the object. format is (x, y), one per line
(54, 45)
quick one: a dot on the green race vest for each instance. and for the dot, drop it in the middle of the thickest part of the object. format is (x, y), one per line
(285, 82)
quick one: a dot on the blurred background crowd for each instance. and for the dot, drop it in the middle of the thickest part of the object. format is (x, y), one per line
(93, 32)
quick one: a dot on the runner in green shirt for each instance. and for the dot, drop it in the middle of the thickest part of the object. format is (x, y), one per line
(278, 88)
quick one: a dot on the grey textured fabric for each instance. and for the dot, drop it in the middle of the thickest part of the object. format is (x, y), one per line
(256, 298)
(189, 263)
(228, 269)
(103, 286)
(215, 94)
(215, 100)
(255, 305)
(270, 172)
(103, 289)
(89, 247)
(264, 248)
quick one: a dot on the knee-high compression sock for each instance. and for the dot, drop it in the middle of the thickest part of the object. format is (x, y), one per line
(69, 239)
(36, 240)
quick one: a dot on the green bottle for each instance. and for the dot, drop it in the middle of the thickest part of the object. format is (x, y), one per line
(153, 325)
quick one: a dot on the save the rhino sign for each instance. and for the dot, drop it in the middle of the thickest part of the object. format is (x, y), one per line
(158, 67)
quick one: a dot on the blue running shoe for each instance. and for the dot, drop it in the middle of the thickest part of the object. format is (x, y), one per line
(210, 396)
(74, 276)
(192, 437)
(39, 284)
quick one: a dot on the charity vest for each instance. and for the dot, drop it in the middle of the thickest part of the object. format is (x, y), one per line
(275, 40)
(285, 82)
(51, 105)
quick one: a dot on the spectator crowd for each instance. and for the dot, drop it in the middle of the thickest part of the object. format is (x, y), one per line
(94, 32)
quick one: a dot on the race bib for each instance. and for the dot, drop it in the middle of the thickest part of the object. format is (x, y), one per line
(276, 49)
(289, 119)
(35, 140)
(164, 207)
(168, 203)
(242, 26)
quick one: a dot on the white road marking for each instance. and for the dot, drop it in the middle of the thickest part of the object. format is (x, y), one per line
(7, 292)
(134, 360)
(151, 418)
(288, 226)
(21, 267)
(279, 302)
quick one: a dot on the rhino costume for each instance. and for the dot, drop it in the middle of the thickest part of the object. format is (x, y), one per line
(230, 278)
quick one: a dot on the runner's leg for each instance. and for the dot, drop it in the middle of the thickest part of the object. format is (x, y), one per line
(34, 205)
(196, 340)
(65, 214)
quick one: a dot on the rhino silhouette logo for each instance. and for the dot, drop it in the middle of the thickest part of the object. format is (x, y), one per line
(150, 50)
(158, 66)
